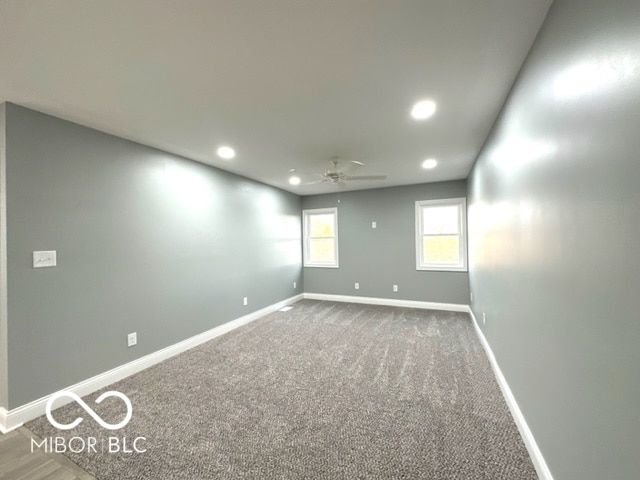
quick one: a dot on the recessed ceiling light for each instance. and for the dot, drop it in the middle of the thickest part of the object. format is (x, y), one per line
(226, 152)
(294, 180)
(423, 109)
(429, 163)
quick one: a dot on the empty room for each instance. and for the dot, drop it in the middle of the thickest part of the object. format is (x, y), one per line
(341, 239)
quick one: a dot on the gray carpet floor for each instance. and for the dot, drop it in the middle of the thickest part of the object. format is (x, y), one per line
(324, 391)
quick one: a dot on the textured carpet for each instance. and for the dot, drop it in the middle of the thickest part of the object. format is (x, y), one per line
(326, 390)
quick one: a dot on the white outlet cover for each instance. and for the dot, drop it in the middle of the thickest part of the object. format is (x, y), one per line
(374, 225)
(132, 339)
(245, 301)
(395, 288)
(357, 286)
(294, 284)
(44, 259)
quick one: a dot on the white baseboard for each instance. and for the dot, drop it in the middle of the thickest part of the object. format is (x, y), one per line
(391, 302)
(532, 447)
(16, 417)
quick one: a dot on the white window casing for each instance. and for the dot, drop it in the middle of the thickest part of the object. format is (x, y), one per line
(441, 235)
(320, 237)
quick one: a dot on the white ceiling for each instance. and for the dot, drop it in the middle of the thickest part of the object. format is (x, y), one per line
(287, 83)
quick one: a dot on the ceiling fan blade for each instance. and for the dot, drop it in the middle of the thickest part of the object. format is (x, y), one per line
(366, 177)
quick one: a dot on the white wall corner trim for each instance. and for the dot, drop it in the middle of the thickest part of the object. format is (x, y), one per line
(4, 421)
(390, 302)
(532, 447)
(16, 417)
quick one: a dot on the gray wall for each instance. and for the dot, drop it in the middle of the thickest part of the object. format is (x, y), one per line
(379, 258)
(4, 379)
(554, 225)
(146, 242)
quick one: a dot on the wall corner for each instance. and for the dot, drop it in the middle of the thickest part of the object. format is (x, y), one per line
(4, 344)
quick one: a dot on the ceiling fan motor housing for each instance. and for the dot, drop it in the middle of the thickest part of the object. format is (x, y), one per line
(335, 177)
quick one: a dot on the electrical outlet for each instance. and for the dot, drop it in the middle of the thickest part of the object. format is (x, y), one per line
(357, 286)
(132, 339)
(395, 288)
(245, 301)
(484, 318)
(374, 225)
(471, 296)
(294, 284)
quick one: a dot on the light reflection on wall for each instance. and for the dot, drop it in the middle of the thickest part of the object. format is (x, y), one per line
(194, 197)
(190, 190)
(289, 244)
(280, 226)
(284, 228)
(477, 219)
(597, 75)
(490, 227)
(519, 152)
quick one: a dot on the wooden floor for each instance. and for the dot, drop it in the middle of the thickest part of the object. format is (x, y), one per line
(18, 463)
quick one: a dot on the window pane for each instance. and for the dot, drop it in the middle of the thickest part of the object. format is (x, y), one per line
(322, 250)
(441, 249)
(321, 225)
(440, 220)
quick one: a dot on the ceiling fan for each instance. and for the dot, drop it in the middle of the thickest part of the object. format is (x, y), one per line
(340, 173)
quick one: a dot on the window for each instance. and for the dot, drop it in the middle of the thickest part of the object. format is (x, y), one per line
(320, 237)
(441, 238)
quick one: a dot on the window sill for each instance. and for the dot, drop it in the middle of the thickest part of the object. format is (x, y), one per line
(442, 269)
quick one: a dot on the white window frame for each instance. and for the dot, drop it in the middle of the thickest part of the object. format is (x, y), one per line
(306, 214)
(461, 203)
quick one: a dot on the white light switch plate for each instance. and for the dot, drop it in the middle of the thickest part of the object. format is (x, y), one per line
(44, 259)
